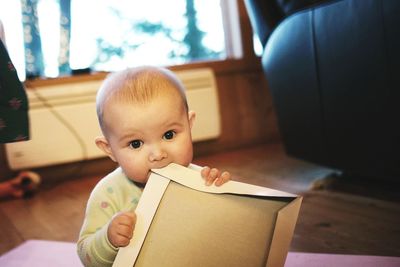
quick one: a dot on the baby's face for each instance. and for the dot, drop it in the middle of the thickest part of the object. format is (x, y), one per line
(151, 135)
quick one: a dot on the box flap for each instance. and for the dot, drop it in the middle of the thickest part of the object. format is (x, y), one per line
(192, 179)
(284, 228)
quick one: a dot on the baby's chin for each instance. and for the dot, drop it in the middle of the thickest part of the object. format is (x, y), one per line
(140, 181)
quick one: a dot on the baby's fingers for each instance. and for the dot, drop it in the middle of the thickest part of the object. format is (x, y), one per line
(223, 178)
(205, 172)
(208, 175)
(214, 174)
(125, 231)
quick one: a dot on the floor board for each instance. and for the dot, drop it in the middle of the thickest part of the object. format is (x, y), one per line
(329, 221)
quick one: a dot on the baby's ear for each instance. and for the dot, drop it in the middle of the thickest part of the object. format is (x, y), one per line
(192, 117)
(103, 144)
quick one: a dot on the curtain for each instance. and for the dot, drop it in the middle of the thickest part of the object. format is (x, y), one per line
(35, 66)
(65, 36)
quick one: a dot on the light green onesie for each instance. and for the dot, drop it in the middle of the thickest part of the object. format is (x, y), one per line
(114, 193)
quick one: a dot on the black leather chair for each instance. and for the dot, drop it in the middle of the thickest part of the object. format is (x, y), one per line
(333, 68)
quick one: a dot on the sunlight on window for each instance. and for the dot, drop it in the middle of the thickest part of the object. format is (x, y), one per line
(50, 35)
(121, 34)
(112, 35)
(210, 21)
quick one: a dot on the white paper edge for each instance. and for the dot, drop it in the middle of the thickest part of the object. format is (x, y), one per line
(192, 179)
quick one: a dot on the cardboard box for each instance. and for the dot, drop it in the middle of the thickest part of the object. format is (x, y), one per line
(181, 222)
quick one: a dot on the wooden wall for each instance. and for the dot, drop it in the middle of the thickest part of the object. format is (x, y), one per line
(246, 110)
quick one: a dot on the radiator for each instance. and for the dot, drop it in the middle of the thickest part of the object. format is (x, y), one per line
(63, 120)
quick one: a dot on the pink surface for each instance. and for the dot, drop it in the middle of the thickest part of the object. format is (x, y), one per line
(35, 253)
(297, 259)
(39, 253)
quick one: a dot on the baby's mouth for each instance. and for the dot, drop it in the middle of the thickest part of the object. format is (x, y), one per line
(159, 165)
(156, 166)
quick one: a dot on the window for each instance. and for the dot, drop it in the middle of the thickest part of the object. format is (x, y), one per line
(52, 37)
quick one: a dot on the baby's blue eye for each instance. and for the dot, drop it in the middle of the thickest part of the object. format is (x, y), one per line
(135, 144)
(169, 135)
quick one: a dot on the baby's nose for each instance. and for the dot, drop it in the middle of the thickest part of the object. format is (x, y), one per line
(157, 154)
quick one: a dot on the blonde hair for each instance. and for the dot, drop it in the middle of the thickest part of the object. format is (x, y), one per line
(137, 85)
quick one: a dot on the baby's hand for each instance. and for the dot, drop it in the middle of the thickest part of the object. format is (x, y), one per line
(214, 175)
(120, 229)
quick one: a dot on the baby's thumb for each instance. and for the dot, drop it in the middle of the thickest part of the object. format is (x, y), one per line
(131, 213)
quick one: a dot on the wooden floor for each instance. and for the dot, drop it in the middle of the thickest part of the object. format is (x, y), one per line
(329, 221)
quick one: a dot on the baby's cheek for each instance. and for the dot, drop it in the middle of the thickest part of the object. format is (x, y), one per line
(139, 175)
(186, 159)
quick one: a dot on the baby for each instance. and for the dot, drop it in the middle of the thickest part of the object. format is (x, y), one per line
(146, 124)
